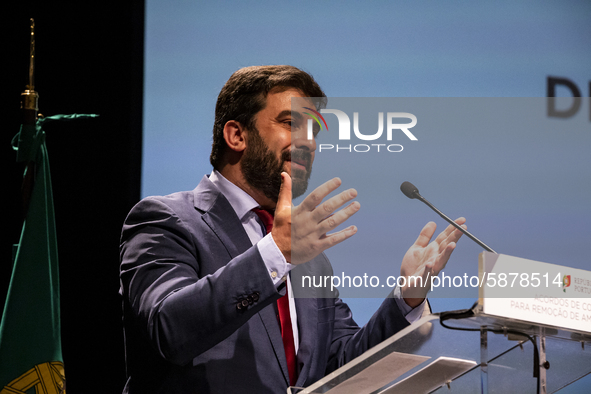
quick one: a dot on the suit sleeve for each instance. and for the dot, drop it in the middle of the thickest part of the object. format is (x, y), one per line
(181, 311)
(348, 339)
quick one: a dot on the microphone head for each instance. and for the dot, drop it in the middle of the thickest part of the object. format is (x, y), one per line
(409, 190)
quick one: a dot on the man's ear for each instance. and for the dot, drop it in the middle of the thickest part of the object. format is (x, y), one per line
(235, 136)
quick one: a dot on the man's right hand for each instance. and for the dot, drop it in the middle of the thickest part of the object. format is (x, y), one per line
(301, 232)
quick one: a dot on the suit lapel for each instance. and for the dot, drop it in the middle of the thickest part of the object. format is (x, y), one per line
(223, 221)
(308, 329)
(307, 310)
(221, 218)
(269, 320)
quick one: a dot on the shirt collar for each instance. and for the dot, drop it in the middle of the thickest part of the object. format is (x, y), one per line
(241, 201)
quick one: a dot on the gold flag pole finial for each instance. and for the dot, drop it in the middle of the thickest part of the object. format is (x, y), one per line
(31, 85)
(30, 98)
(26, 136)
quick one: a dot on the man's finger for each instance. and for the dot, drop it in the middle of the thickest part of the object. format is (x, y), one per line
(443, 258)
(454, 236)
(284, 198)
(329, 240)
(449, 230)
(426, 235)
(338, 218)
(313, 199)
(325, 209)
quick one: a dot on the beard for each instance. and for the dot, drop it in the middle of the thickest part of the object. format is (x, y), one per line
(262, 170)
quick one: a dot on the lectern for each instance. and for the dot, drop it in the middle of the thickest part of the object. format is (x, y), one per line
(475, 351)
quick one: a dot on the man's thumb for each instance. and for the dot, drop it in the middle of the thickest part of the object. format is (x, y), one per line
(285, 190)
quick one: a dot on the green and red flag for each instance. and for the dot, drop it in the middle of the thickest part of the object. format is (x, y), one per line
(30, 339)
(30, 342)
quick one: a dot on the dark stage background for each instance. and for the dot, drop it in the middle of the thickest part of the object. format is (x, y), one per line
(89, 60)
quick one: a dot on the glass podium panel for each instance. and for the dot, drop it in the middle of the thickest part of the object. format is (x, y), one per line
(431, 358)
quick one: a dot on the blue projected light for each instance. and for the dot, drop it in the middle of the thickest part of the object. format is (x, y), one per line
(393, 49)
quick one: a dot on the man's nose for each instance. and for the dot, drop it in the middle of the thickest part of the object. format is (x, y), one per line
(300, 140)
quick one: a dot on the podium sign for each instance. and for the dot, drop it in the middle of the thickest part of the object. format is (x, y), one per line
(535, 292)
(486, 350)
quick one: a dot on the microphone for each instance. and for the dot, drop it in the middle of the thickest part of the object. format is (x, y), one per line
(412, 192)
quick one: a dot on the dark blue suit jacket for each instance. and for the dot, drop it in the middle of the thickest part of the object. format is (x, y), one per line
(186, 265)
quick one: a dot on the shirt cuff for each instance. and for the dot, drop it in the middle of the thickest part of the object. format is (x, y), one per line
(410, 314)
(277, 266)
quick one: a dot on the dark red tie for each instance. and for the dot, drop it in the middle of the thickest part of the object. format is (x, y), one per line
(283, 307)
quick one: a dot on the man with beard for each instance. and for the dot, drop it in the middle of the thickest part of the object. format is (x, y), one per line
(205, 274)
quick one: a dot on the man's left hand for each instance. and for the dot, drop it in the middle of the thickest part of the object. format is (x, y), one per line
(426, 259)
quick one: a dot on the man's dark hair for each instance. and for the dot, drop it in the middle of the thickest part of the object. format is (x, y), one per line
(245, 94)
